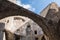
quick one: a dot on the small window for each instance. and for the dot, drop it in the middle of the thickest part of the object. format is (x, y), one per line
(50, 22)
(7, 21)
(36, 38)
(28, 26)
(35, 31)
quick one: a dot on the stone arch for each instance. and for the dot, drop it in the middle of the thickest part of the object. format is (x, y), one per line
(23, 18)
(9, 9)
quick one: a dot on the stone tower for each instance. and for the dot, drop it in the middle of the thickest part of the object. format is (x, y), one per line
(51, 13)
(52, 6)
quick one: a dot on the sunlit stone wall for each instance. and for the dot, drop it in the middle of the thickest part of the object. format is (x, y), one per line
(14, 1)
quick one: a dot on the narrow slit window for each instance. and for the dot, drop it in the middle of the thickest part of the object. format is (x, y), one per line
(35, 31)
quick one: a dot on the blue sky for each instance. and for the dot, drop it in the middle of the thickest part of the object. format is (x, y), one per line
(36, 5)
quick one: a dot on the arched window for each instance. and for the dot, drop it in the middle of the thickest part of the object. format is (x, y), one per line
(28, 30)
(35, 31)
(28, 26)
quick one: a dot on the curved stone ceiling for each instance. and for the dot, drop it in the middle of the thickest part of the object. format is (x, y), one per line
(14, 23)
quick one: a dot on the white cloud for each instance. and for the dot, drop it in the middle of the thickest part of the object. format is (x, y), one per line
(27, 6)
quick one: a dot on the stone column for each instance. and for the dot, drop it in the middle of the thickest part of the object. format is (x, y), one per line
(2, 25)
(4, 36)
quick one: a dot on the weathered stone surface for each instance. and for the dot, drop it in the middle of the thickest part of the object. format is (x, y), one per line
(9, 9)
